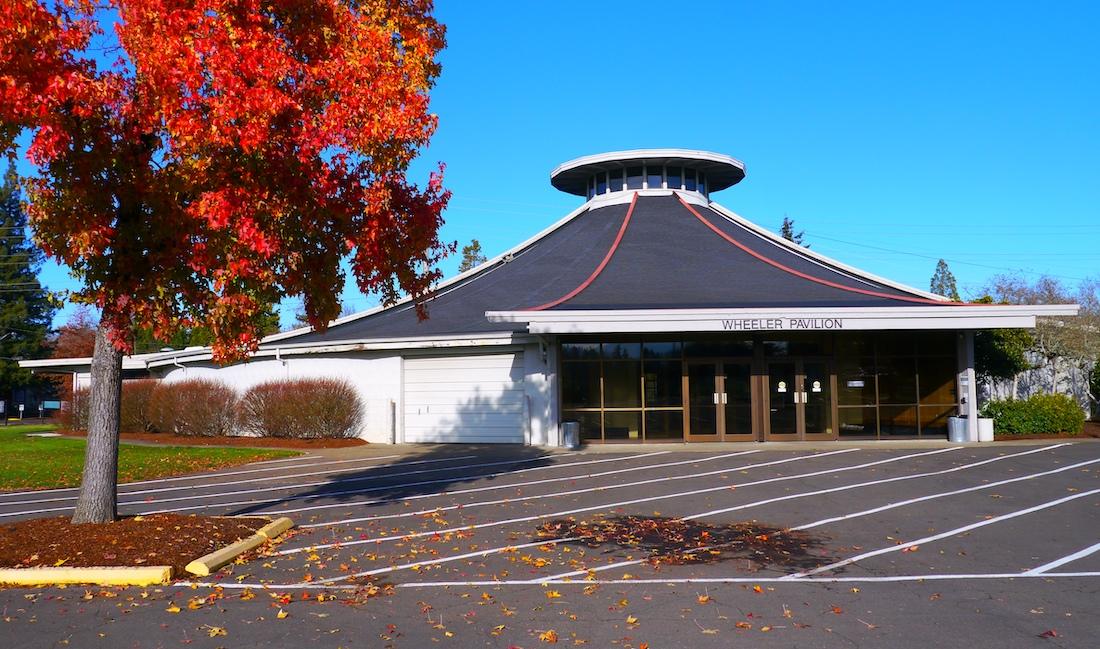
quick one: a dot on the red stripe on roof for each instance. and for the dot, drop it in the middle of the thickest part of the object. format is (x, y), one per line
(818, 280)
(599, 269)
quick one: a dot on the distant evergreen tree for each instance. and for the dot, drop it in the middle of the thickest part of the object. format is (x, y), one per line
(943, 282)
(471, 256)
(26, 309)
(787, 231)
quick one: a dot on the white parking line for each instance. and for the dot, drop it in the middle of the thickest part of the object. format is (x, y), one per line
(990, 485)
(557, 494)
(816, 581)
(871, 483)
(1080, 554)
(220, 475)
(937, 537)
(432, 562)
(398, 537)
(275, 488)
(404, 485)
(911, 501)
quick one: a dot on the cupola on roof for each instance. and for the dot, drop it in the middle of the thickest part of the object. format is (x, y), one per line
(685, 169)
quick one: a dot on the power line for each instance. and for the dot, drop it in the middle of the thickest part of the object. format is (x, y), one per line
(937, 257)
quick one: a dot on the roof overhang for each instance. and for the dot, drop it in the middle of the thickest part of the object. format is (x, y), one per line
(279, 351)
(977, 316)
(722, 170)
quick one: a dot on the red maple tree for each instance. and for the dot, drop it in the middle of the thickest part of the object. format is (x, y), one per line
(234, 153)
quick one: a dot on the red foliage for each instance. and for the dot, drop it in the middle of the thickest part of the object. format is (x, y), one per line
(194, 407)
(137, 397)
(302, 409)
(234, 154)
(75, 339)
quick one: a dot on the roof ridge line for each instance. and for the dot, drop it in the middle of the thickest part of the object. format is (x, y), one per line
(599, 269)
(796, 273)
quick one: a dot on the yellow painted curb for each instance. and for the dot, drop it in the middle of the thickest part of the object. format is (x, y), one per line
(102, 576)
(205, 565)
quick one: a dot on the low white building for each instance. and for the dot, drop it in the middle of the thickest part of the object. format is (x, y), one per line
(649, 314)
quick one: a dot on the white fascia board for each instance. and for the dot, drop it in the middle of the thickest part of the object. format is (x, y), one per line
(364, 345)
(786, 319)
(637, 154)
(815, 256)
(442, 285)
(139, 362)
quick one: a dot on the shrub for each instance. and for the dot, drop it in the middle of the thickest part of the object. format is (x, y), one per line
(136, 398)
(1042, 413)
(74, 413)
(302, 409)
(193, 407)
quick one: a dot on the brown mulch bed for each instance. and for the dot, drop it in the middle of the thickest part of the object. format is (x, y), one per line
(154, 540)
(1092, 429)
(253, 442)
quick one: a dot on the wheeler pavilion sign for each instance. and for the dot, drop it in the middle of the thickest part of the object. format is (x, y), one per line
(781, 324)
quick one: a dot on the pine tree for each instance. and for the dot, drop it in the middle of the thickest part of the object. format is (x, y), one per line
(787, 231)
(26, 310)
(943, 282)
(471, 256)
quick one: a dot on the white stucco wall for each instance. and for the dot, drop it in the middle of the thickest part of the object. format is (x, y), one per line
(377, 378)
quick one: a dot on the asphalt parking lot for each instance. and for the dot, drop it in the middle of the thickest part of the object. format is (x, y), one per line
(991, 545)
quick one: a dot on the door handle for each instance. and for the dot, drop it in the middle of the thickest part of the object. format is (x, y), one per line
(725, 398)
(794, 395)
(805, 397)
(715, 398)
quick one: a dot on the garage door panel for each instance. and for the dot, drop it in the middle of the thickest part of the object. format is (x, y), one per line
(471, 399)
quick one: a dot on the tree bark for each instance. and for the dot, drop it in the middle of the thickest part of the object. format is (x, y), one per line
(98, 500)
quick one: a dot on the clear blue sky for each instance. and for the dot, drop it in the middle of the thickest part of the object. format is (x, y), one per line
(893, 133)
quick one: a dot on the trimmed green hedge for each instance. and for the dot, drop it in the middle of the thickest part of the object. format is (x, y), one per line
(1042, 413)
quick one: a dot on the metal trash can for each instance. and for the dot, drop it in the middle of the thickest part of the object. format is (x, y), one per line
(956, 430)
(571, 434)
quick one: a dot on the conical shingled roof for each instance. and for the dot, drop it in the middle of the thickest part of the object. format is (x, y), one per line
(657, 252)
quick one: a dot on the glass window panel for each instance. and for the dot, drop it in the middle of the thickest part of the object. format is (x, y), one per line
(897, 380)
(615, 180)
(622, 384)
(622, 350)
(715, 348)
(777, 347)
(580, 385)
(675, 177)
(860, 344)
(858, 422)
(898, 421)
(601, 184)
(937, 379)
(622, 425)
(591, 189)
(590, 423)
(634, 177)
(933, 420)
(689, 180)
(575, 351)
(663, 383)
(855, 378)
(702, 183)
(936, 343)
(653, 176)
(664, 424)
(662, 349)
(897, 343)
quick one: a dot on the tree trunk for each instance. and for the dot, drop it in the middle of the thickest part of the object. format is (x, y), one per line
(98, 500)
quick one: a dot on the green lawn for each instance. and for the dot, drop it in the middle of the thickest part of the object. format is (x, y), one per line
(47, 462)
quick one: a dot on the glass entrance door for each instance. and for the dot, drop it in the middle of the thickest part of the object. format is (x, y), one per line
(719, 404)
(800, 401)
(783, 393)
(817, 400)
(703, 413)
